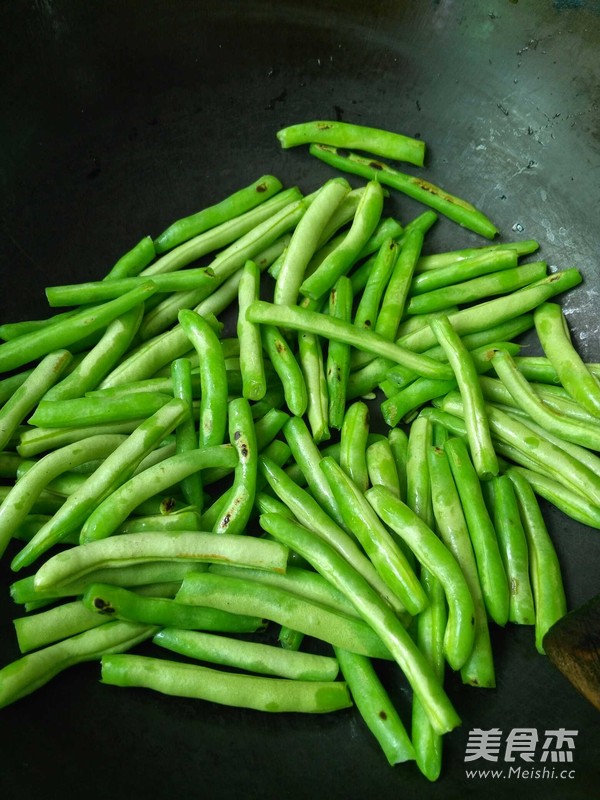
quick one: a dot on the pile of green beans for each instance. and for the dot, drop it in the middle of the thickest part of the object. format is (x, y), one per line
(351, 456)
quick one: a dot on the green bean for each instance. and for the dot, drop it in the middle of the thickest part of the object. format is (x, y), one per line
(23, 495)
(383, 551)
(492, 312)
(284, 607)
(513, 544)
(375, 706)
(398, 440)
(8, 386)
(553, 332)
(438, 559)
(343, 214)
(133, 549)
(570, 503)
(397, 290)
(237, 203)
(378, 278)
(222, 235)
(230, 689)
(224, 265)
(374, 610)
(576, 431)
(430, 627)
(289, 639)
(311, 515)
(298, 580)
(310, 356)
(418, 489)
(186, 437)
(98, 362)
(251, 359)
(550, 458)
(116, 507)
(492, 575)
(478, 431)
(381, 466)
(134, 261)
(398, 406)
(465, 269)
(546, 579)
(213, 377)
(249, 656)
(478, 670)
(184, 520)
(339, 262)
(54, 624)
(330, 328)
(353, 444)
(113, 471)
(30, 672)
(117, 603)
(34, 441)
(307, 455)
(61, 334)
(27, 395)
(419, 189)
(305, 238)
(380, 369)
(287, 368)
(496, 283)
(360, 137)
(73, 294)
(437, 260)
(86, 411)
(243, 438)
(338, 354)
(539, 368)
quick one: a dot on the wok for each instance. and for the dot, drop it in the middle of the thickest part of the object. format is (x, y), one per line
(122, 116)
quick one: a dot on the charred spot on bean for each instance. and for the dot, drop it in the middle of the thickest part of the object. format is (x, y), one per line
(279, 346)
(323, 126)
(102, 606)
(368, 323)
(262, 187)
(382, 715)
(342, 152)
(333, 294)
(167, 505)
(376, 165)
(226, 520)
(237, 435)
(244, 451)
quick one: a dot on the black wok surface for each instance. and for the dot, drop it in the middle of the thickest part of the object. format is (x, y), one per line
(121, 116)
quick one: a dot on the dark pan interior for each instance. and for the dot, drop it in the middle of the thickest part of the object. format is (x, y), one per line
(119, 117)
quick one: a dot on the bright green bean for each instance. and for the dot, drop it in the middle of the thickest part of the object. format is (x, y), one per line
(134, 261)
(437, 260)
(87, 411)
(374, 610)
(546, 579)
(337, 367)
(287, 368)
(242, 595)
(419, 189)
(330, 328)
(305, 238)
(21, 677)
(310, 356)
(375, 706)
(438, 559)
(475, 416)
(478, 670)
(383, 551)
(465, 269)
(340, 260)
(492, 575)
(353, 444)
(251, 359)
(117, 506)
(381, 466)
(213, 378)
(378, 278)
(61, 334)
(513, 545)
(232, 206)
(27, 395)
(230, 689)
(250, 656)
(386, 144)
